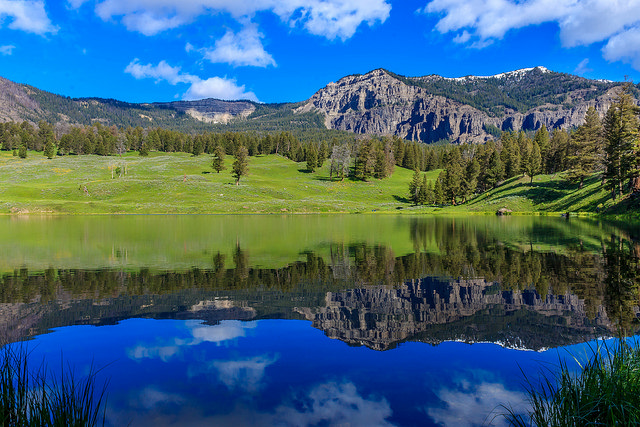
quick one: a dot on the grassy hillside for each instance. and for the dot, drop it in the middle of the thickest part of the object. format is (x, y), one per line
(182, 183)
(549, 194)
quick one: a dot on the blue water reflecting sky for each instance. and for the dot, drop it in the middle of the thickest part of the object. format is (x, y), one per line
(285, 372)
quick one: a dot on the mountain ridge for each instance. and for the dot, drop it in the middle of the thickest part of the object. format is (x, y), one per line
(424, 108)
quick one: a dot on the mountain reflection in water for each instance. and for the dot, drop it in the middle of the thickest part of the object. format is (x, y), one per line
(476, 289)
(238, 340)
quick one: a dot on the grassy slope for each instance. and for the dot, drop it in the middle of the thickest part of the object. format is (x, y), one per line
(181, 183)
(549, 194)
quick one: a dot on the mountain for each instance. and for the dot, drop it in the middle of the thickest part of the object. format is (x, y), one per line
(427, 109)
(466, 109)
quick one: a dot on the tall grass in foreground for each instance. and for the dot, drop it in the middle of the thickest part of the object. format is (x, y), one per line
(31, 397)
(605, 392)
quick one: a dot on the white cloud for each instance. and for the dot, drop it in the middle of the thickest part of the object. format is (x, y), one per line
(242, 48)
(336, 404)
(472, 405)
(328, 18)
(624, 47)
(583, 67)
(244, 374)
(213, 87)
(7, 50)
(26, 15)
(581, 23)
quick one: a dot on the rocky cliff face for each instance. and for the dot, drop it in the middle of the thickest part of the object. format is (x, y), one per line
(382, 104)
(463, 310)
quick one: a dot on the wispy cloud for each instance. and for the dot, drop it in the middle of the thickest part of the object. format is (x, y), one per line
(581, 23)
(7, 50)
(213, 87)
(582, 67)
(26, 15)
(332, 19)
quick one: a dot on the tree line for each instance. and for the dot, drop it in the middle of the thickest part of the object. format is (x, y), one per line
(610, 146)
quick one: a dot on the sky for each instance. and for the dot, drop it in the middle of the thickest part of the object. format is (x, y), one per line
(286, 50)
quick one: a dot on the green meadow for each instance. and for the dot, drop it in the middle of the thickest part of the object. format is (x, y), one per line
(185, 184)
(180, 183)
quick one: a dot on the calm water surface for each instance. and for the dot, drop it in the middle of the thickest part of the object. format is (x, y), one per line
(312, 320)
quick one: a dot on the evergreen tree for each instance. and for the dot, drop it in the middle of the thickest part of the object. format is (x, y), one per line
(542, 138)
(312, 158)
(621, 136)
(414, 187)
(585, 148)
(557, 153)
(533, 160)
(429, 196)
(323, 153)
(241, 164)
(471, 174)
(22, 152)
(438, 190)
(144, 150)
(494, 173)
(218, 159)
(453, 175)
(49, 150)
(380, 170)
(423, 195)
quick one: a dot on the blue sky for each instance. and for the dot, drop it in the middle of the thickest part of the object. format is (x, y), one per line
(285, 50)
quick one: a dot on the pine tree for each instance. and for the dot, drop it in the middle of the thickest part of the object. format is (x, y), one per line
(471, 173)
(621, 136)
(585, 148)
(312, 158)
(380, 170)
(542, 138)
(414, 187)
(453, 175)
(22, 151)
(218, 159)
(438, 190)
(423, 192)
(533, 159)
(49, 150)
(241, 164)
(430, 196)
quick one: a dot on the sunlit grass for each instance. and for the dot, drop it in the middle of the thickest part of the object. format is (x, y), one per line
(604, 391)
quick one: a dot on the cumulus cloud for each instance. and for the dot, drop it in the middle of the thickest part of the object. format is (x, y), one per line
(335, 404)
(328, 18)
(7, 50)
(615, 22)
(242, 48)
(213, 87)
(26, 15)
(624, 47)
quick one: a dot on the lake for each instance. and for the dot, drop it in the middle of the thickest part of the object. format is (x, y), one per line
(314, 320)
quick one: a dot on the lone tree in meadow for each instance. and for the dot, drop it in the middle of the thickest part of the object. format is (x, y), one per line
(218, 159)
(241, 164)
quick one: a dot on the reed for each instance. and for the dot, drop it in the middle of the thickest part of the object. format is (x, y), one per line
(604, 391)
(36, 397)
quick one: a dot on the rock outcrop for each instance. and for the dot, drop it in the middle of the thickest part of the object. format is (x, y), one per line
(434, 311)
(382, 104)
